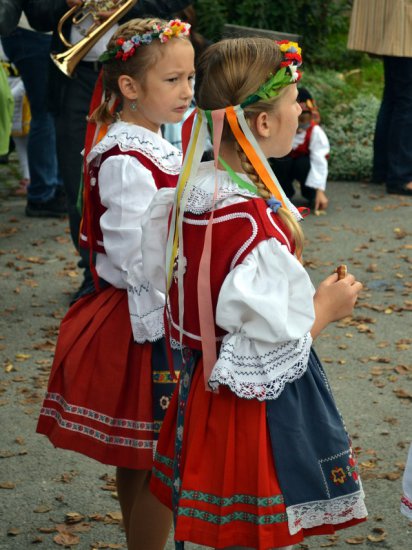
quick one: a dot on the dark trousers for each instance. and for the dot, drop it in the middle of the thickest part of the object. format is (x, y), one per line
(392, 161)
(288, 169)
(29, 51)
(71, 120)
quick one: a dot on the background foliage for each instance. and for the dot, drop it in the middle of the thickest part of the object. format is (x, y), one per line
(347, 85)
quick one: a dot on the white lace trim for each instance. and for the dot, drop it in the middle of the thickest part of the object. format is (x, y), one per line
(200, 200)
(146, 308)
(252, 374)
(129, 137)
(326, 512)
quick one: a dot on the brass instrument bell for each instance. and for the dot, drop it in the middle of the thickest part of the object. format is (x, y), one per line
(68, 60)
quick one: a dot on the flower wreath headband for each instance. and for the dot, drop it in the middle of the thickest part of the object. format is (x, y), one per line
(194, 134)
(127, 48)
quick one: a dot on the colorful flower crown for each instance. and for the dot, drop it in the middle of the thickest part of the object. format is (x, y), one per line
(287, 74)
(126, 48)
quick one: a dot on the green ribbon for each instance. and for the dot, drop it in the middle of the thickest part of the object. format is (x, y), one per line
(233, 175)
(271, 87)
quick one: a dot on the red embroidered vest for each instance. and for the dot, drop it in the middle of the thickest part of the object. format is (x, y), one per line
(237, 229)
(90, 231)
(303, 149)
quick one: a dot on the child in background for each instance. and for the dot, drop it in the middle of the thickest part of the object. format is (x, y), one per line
(261, 458)
(110, 383)
(308, 161)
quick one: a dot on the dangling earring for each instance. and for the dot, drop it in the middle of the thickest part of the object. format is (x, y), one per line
(133, 105)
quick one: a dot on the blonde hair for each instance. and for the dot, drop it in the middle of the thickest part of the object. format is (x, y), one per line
(136, 66)
(230, 71)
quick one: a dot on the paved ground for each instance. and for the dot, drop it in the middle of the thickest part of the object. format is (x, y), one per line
(51, 497)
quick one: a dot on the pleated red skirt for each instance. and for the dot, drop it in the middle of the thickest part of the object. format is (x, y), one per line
(99, 396)
(229, 490)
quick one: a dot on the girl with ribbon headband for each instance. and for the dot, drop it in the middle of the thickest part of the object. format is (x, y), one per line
(110, 383)
(261, 458)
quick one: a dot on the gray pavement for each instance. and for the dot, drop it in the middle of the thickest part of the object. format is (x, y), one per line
(52, 498)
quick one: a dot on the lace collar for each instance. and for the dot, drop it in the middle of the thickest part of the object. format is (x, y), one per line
(201, 195)
(130, 137)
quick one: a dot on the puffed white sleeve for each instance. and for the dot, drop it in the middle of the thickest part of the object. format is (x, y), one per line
(126, 190)
(406, 501)
(319, 150)
(266, 306)
(154, 238)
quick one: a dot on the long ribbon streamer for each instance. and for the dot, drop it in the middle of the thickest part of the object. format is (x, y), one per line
(204, 292)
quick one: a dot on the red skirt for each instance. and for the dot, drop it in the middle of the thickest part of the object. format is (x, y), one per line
(99, 396)
(229, 489)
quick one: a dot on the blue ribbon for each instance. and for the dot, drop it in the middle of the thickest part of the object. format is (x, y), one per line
(273, 204)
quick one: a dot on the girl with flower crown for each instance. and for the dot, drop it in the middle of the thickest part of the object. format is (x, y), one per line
(110, 384)
(261, 458)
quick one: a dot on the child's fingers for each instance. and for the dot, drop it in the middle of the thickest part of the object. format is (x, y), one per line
(332, 278)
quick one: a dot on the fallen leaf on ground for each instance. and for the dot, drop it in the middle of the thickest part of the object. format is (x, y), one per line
(378, 535)
(66, 539)
(355, 540)
(7, 485)
(73, 517)
(42, 509)
(402, 394)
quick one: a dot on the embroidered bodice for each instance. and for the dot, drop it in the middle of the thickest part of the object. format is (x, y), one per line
(264, 300)
(128, 166)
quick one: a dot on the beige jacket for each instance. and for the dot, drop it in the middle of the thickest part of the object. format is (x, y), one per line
(382, 27)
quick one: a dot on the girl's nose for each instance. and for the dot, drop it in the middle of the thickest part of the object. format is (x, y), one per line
(188, 89)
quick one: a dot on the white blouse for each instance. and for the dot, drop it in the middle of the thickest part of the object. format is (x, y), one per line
(126, 188)
(319, 148)
(265, 303)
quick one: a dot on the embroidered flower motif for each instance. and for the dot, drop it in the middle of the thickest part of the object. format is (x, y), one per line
(179, 432)
(177, 484)
(352, 468)
(338, 475)
(164, 402)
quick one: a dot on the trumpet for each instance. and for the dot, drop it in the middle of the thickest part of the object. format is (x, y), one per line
(68, 60)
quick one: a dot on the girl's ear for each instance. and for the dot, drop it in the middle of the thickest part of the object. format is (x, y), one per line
(128, 87)
(263, 125)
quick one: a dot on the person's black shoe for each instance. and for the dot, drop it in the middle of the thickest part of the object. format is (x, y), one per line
(399, 189)
(53, 208)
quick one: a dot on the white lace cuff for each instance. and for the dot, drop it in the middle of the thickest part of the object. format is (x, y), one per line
(326, 512)
(259, 370)
(146, 307)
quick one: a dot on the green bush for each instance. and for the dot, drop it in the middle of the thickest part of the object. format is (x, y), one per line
(351, 139)
(322, 24)
(347, 85)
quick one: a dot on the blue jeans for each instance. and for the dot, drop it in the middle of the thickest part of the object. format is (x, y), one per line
(392, 161)
(29, 51)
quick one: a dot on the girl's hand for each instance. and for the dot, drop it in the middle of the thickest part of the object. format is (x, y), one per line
(334, 300)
